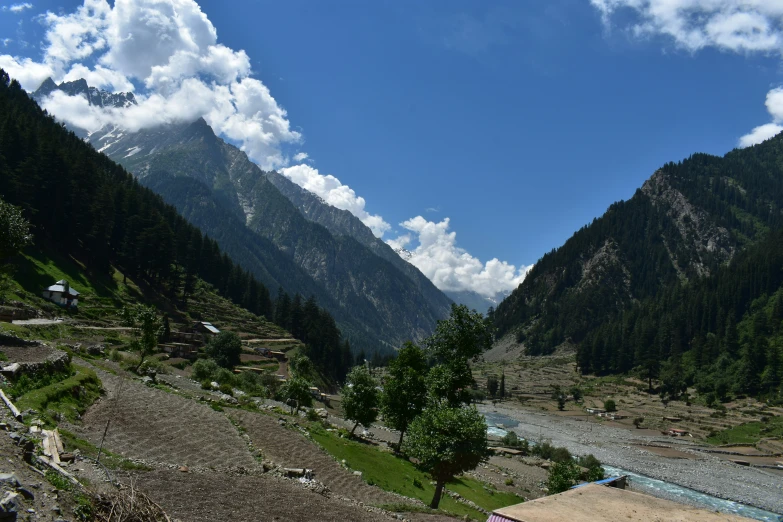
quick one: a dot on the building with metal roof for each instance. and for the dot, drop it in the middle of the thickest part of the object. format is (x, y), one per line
(62, 294)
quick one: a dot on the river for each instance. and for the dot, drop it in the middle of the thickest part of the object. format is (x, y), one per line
(498, 425)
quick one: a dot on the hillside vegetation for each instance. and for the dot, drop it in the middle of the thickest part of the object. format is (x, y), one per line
(679, 272)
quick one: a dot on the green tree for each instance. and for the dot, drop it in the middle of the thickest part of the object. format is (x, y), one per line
(561, 402)
(447, 441)
(463, 337)
(14, 231)
(14, 236)
(609, 405)
(146, 328)
(296, 393)
(360, 397)
(562, 476)
(503, 385)
(576, 393)
(492, 385)
(225, 349)
(672, 378)
(405, 389)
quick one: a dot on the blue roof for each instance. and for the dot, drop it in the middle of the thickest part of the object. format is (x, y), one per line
(599, 482)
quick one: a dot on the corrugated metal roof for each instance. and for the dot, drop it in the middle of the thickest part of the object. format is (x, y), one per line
(61, 288)
(498, 518)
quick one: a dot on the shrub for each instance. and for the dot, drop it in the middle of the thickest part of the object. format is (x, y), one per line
(609, 405)
(205, 369)
(562, 476)
(226, 389)
(509, 482)
(312, 415)
(638, 422)
(206, 384)
(560, 455)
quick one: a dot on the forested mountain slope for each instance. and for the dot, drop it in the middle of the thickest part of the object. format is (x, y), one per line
(686, 222)
(219, 189)
(82, 204)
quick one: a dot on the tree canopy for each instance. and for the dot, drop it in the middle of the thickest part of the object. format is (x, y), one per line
(404, 389)
(225, 349)
(447, 441)
(360, 397)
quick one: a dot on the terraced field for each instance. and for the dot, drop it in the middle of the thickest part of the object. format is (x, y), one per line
(153, 425)
(196, 497)
(290, 448)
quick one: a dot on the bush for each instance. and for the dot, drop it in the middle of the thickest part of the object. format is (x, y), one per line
(227, 389)
(638, 422)
(312, 415)
(225, 349)
(609, 405)
(562, 476)
(205, 369)
(544, 449)
(206, 384)
(561, 455)
(509, 482)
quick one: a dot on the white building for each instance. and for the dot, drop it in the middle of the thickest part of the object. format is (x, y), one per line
(62, 294)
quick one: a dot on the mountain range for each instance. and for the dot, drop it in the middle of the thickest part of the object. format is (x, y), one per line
(286, 236)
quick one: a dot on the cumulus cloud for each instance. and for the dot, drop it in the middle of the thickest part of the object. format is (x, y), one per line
(170, 49)
(450, 267)
(331, 190)
(734, 25)
(740, 26)
(301, 156)
(18, 8)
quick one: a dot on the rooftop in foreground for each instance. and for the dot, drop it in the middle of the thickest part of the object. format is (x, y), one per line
(595, 503)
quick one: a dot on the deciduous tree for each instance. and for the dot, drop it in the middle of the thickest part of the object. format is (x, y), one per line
(405, 389)
(447, 441)
(360, 397)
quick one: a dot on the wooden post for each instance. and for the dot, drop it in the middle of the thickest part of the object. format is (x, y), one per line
(16, 413)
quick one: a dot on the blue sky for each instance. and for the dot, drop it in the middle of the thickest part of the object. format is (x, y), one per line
(519, 120)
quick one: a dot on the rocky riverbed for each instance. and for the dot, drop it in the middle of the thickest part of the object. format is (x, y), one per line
(622, 448)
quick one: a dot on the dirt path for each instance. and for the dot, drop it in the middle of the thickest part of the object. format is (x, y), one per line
(291, 449)
(37, 322)
(157, 426)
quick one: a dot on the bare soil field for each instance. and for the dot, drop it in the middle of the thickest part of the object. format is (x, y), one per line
(29, 354)
(156, 426)
(208, 497)
(289, 448)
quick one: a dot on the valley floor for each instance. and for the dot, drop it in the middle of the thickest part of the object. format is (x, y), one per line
(676, 460)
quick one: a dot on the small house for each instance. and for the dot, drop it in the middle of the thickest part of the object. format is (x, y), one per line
(206, 330)
(62, 294)
(595, 410)
(675, 432)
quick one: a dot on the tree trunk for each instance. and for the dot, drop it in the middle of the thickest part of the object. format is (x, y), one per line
(354, 428)
(399, 444)
(438, 493)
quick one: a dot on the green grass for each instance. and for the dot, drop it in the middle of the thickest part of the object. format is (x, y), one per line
(396, 474)
(749, 433)
(70, 397)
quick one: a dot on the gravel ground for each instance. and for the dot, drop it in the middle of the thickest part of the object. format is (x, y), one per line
(615, 447)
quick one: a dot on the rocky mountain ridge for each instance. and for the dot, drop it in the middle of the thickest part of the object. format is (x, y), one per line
(687, 220)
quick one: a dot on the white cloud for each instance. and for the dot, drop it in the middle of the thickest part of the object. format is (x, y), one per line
(18, 8)
(331, 190)
(6, 41)
(167, 52)
(740, 26)
(733, 25)
(759, 134)
(450, 267)
(170, 48)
